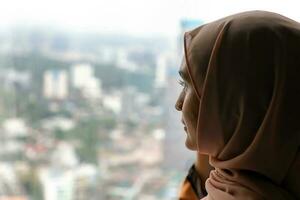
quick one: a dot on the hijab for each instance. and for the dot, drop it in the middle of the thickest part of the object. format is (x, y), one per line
(245, 69)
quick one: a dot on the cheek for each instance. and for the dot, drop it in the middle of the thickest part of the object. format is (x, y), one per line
(190, 109)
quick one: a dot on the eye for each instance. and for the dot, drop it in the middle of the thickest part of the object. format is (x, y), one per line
(182, 83)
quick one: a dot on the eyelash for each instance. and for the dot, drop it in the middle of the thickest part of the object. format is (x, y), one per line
(182, 83)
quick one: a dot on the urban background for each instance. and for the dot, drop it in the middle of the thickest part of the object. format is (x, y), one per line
(88, 115)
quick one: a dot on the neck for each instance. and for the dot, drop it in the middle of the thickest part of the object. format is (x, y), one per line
(202, 166)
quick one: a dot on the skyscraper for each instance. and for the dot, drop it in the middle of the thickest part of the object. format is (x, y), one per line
(56, 84)
(83, 78)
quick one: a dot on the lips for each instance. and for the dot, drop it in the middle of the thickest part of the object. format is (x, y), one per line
(185, 128)
(182, 122)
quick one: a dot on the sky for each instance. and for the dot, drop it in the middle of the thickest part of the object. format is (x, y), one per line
(135, 17)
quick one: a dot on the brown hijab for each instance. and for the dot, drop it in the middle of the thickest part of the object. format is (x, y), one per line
(245, 69)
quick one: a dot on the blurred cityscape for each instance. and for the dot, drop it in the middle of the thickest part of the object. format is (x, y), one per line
(90, 116)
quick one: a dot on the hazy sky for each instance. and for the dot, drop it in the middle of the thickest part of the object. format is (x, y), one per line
(131, 16)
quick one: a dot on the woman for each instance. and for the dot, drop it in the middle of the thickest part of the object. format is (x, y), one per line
(240, 107)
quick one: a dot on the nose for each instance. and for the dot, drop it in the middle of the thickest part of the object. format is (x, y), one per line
(179, 102)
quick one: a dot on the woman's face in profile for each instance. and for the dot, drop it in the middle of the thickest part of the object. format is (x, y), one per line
(188, 104)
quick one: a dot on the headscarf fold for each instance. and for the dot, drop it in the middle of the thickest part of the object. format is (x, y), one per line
(245, 69)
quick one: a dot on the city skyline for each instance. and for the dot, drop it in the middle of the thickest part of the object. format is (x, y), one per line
(78, 118)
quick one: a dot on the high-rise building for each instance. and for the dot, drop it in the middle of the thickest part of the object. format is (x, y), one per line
(81, 73)
(57, 184)
(56, 84)
(83, 78)
(161, 71)
(113, 102)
